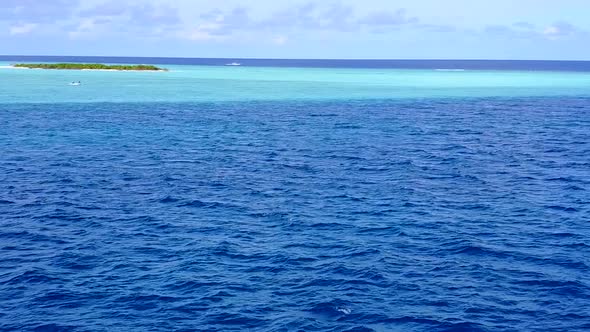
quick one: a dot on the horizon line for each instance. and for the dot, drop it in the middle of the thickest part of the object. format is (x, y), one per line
(291, 59)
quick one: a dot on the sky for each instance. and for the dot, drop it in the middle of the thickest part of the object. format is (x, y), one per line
(319, 29)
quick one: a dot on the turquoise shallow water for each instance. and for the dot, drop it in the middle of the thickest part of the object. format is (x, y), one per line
(218, 84)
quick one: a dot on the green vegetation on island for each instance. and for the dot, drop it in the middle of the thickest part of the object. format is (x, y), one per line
(92, 66)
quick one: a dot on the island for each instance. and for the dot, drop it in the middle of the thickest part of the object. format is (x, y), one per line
(88, 66)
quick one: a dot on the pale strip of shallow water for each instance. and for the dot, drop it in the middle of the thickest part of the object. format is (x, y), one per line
(218, 84)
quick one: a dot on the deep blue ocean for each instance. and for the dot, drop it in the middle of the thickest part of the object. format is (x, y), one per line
(418, 214)
(528, 65)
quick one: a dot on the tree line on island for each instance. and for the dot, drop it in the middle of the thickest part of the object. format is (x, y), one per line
(79, 66)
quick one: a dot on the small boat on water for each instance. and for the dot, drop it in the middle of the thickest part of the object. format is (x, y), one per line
(76, 83)
(233, 64)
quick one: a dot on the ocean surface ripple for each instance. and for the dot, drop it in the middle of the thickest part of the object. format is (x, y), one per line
(373, 215)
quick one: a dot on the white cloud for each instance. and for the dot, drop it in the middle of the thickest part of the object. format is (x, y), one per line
(84, 28)
(558, 30)
(200, 35)
(385, 18)
(204, 32)
(46, 11)
(22, 29)
(525, 30)
(146, 14)
(280, 40)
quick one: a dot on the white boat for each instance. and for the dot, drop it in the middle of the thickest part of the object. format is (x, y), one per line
(75, 83)
(233, 64)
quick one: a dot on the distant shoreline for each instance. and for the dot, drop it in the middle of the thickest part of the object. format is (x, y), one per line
(88, 66)
(429, 64)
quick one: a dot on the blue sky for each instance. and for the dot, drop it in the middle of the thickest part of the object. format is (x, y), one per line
(381, 29)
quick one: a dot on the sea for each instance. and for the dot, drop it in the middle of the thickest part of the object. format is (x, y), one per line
(295, 195)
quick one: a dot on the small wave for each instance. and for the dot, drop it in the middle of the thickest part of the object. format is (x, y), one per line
(562, 208)
(305, 168)
(168, 199)
(190, 285)
(323, 115)
(575, 188)
(331, 309)
(472, 250)
(244, 322)
(53, 328)
(330, 226)
(196, 203)
(33, 277)
(360, 329)
(347, 126)
(563, 179)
